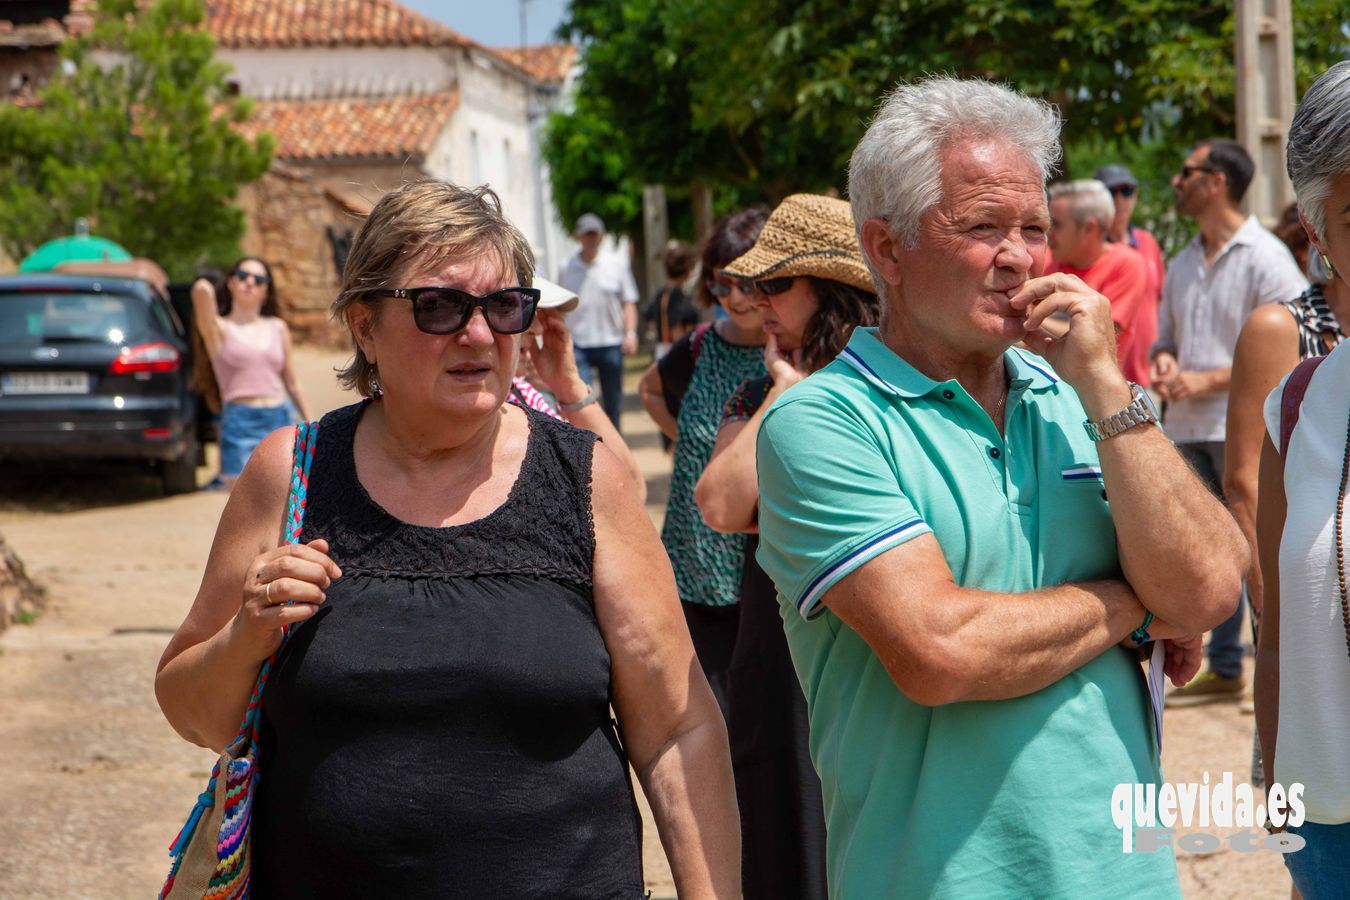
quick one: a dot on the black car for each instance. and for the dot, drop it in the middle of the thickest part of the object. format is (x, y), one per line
(96, 367)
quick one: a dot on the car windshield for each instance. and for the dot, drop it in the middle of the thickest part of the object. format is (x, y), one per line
(31, 319)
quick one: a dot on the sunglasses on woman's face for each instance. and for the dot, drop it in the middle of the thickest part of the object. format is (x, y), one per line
(722, 285)
(1123, 190)
(445, 310)
(245, 277)
(771, 286)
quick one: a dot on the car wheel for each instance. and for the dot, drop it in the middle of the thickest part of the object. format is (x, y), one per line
(179, 475)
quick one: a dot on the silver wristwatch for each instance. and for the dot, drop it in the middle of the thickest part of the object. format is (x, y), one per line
(579, 404)
(1140, 412)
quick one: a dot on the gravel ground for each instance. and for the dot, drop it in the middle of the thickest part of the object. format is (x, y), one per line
(95, 784)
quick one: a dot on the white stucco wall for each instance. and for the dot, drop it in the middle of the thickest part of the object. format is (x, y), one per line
(311, 72)
(488, 141)
(492, 138)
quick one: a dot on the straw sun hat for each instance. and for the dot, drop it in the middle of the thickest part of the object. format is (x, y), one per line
(808, 234)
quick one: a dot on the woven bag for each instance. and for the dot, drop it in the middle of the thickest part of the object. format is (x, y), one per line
(212, 854)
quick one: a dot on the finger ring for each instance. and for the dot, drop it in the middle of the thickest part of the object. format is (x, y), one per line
(267, 592)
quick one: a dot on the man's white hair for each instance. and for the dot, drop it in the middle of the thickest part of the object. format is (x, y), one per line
(1089, 201)
(1318, 149)
(895, 172)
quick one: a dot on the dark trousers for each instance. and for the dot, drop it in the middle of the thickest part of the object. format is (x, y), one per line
(712, 629)
(1225, 641)
(606, 364)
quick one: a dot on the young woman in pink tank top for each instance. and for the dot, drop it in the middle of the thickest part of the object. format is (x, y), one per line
(250, 351)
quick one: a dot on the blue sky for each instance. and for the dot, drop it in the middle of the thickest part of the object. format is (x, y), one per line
(495, 23)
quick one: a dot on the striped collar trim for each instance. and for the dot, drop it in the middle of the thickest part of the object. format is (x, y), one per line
(885, 370)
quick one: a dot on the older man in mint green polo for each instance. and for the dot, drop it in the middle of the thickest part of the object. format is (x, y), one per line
(969, 538)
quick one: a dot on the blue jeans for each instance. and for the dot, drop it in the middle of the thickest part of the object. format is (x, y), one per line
(1321, 870)
(1225, 641)
(606, 363)
(242, 428)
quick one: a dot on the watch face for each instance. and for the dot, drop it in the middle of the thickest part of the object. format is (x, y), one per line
(1148, 401)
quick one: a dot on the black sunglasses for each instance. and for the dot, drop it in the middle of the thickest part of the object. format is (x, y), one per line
(1123, 190)
(445, 310)
(771, 286)
(257, 279)
(721, 285)
(1186, 171)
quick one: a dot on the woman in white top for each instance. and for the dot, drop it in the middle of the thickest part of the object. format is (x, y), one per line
(1303, 661)
(250, 351)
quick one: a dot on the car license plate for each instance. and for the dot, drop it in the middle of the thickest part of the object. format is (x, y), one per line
(45, 383)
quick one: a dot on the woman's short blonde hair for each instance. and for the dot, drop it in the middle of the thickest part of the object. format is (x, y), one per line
(423, 223)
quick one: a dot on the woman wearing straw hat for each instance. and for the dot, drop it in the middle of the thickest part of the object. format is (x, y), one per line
(814, 288)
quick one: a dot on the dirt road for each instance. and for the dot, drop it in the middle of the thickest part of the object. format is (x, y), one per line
(94, 783)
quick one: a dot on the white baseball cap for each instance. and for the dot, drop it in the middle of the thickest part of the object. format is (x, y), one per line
(555, 296)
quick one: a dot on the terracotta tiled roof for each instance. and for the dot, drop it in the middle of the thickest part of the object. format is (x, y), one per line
(545, 62)
(324, 23)
(387, 128)
(47, 33)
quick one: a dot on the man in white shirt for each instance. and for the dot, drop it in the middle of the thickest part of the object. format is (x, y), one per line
(1232, 266)
(604, 324)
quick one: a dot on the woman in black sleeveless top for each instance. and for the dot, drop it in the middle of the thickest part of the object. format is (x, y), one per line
(476, 587)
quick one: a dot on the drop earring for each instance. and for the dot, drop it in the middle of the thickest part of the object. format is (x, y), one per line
(376, 392)
(1326, 261)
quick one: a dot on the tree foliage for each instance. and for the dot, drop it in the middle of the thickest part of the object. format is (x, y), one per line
(589, 169)
(766, 97)
(136, 134)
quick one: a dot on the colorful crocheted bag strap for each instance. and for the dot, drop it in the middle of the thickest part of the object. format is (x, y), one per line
(306, 436)
(302, 458)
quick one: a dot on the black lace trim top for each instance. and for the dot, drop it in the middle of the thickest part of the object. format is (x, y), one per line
(544, 528)
(441, 727)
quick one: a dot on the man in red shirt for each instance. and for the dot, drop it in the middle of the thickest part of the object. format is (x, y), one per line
(1125, 193)
(1081, 213)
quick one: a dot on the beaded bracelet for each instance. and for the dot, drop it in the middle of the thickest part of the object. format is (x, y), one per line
(1140, 634)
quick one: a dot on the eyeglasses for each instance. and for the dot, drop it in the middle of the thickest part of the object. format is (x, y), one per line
(1124, 190)
(720, 286)
(445, 310)
(255, 277)
(1186, 171)
(771, 286)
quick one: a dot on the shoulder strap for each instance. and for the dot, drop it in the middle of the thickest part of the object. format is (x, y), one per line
(302, 458)
(696, 342)
(1291, 401)
(677, 367)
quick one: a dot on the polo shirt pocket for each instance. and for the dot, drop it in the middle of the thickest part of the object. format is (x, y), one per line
(1083, 476)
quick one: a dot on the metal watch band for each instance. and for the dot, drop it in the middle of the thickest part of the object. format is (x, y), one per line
(1139, 412)
(580, 404)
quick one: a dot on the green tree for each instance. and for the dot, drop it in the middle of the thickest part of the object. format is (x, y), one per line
(766, 97)
(137, 134)
(588, 169)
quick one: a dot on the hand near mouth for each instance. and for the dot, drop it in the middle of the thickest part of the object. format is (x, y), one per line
(1080, 341)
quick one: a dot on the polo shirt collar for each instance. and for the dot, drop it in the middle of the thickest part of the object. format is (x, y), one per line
(887, 371)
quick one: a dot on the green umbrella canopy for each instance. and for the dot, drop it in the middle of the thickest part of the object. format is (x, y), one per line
(77, 248)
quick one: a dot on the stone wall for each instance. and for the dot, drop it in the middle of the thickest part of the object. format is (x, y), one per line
(292, 211)
(19, 596)
(289, 216)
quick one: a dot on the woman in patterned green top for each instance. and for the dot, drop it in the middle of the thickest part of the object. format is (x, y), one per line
(684, 393)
